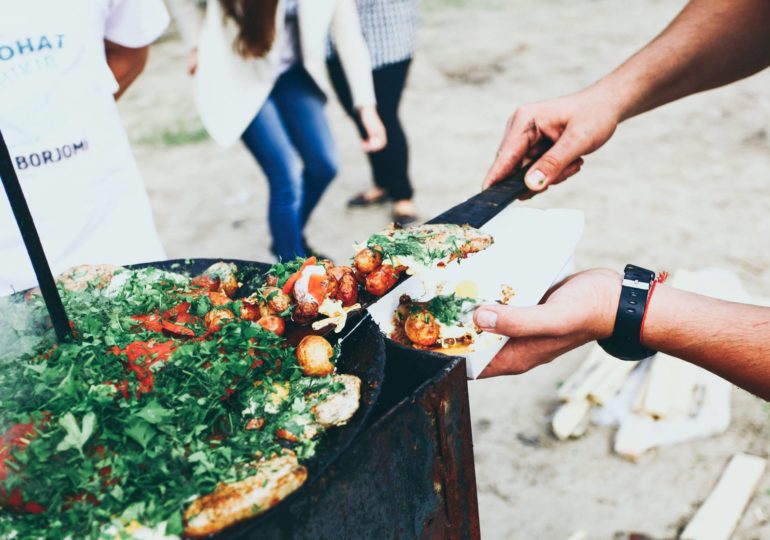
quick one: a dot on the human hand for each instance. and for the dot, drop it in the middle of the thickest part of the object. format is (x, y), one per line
(578, 124)
(376, 136)
(580, 309)
(192, 62)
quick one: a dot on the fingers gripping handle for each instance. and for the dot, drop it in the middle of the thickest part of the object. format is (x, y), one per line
(482, 207)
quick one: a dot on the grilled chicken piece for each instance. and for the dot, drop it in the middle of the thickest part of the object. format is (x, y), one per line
(78, 278)
(337, 409)
(309, 428)
(229, 504)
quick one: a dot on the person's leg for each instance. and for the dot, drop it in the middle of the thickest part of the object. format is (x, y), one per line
(391, 165)
(376, 194)
(301, 105)
(268, 141)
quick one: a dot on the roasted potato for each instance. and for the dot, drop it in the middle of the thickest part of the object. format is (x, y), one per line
(219, 299)
(367, 260)
(216, 317)
(347, 290)
(314, 355)
(381, 280)
(250, 310)
(226, 274)
(422, 328)
(206, 283)
(272, 323)
(305, 312)
(277, 300)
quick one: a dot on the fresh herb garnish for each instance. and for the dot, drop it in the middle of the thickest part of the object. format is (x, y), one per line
(407, 243)
(283, 270)
(448, 309)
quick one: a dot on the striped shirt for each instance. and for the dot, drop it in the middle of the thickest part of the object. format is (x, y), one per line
(390, 29)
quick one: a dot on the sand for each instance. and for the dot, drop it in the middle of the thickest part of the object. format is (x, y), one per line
(683, 187)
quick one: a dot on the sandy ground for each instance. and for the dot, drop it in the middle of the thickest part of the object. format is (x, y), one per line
(686, 186)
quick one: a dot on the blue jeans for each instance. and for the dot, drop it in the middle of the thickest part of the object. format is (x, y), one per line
(291, 140)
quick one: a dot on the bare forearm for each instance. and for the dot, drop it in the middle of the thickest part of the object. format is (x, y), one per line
(729, 339)
(125, 63)
(711, 43)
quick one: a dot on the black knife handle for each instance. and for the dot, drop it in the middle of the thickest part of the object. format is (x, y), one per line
(32, 242)
(482, 207)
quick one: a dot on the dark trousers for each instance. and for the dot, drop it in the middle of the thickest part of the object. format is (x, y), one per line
(390, 166)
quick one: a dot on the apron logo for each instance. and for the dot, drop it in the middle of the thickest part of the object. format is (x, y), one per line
(30, 45)
(47, 157)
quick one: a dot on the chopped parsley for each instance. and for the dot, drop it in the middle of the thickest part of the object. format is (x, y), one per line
(408, 243)
(447, 309)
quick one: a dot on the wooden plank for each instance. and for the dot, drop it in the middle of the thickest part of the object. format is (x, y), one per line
(670, 388)
(718, 516)
(570, 417)
(612, 382)
(638, 405)
(595, 367)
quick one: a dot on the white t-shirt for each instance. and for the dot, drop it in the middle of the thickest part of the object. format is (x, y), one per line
(61, 124)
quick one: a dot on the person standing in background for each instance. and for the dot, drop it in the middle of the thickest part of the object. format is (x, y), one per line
(260, 76)
(62, 65)
(390, 30)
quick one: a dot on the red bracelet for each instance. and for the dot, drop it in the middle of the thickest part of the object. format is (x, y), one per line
(663, 276)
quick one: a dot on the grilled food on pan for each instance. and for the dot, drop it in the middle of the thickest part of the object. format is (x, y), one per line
(273, 481)
(308, 291)
(444, 322)
(151, 417)
(386, 255)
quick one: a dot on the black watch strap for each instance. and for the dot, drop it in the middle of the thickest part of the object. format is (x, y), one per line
(624, 342)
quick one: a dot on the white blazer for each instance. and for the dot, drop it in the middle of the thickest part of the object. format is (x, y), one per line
(230, 90)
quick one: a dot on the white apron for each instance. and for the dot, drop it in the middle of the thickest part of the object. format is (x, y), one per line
(61, 124)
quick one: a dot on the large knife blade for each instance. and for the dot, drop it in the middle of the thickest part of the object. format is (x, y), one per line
(481, 208)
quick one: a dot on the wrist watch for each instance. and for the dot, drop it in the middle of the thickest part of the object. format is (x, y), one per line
(624, 342)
